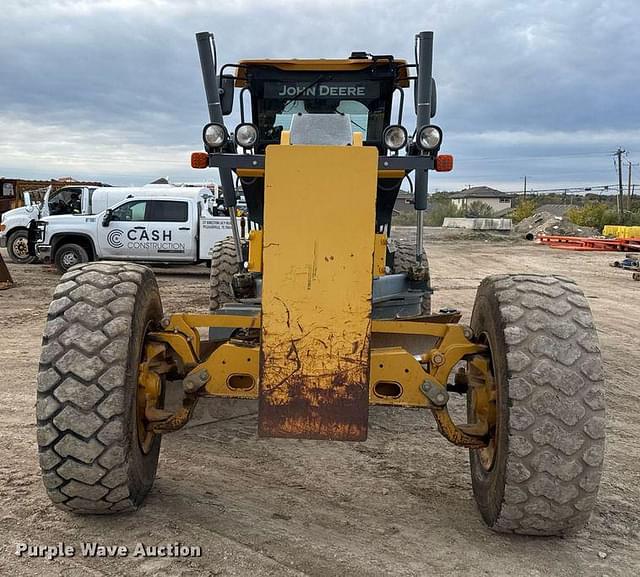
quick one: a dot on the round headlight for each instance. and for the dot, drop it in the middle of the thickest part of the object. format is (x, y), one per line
(246, 135)
(214, 135)
(429, 137)
(394, 137)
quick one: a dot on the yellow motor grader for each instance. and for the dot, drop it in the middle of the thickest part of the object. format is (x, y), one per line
(320, 316)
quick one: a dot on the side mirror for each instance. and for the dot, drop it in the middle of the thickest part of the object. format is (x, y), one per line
(106, 219)
(226, 83)
(434, 97)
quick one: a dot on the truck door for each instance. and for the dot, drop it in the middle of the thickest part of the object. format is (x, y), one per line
(213, 228)
(171, 230)
(123, 235)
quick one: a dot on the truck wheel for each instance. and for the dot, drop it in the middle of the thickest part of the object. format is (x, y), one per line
(94, 456)
(18, 247)
(405, 257)
(224, 265)
(69, 255)
(541, 471)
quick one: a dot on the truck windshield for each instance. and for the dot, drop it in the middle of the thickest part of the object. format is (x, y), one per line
(65, 201)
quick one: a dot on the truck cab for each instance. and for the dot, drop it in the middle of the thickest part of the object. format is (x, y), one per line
(15, 223)
(155, 228)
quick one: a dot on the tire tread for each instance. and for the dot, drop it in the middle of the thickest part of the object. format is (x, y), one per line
(556, 404)
(224, 265)
(405, 257)
(81, 398)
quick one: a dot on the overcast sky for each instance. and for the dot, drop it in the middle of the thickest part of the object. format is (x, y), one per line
(111, 89)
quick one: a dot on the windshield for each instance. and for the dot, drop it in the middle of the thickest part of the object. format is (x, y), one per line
(357, 111)
(363, 95)
(65, 201)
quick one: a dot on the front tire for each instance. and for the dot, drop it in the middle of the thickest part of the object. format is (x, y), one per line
(91, 453)
(69, 255)
(224, 264)
(549, 437)
(18, 247)
(404, 257)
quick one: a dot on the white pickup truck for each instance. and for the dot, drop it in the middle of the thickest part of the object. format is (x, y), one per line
(14, 224)
(176, 227)
(68, 200)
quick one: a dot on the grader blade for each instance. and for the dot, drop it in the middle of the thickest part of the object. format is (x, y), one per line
(316, 300)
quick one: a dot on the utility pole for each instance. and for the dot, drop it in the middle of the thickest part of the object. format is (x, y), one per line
(524, 190)
(619, 154)
(629, 185)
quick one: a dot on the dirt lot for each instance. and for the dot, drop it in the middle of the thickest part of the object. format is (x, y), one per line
(398, 504)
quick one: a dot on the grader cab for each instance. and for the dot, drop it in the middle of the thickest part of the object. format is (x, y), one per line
(317, 313)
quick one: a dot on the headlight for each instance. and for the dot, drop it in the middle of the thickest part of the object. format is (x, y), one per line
(246, 135)
(41, 228)
(214, 135)
(429, 137)
(394, 137)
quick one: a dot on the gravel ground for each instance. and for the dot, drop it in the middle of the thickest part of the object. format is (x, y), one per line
(398, 504)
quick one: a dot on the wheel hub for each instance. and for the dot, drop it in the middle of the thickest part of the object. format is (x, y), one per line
(149, 394)
(69, 259)
(21, 247)
(483, 406)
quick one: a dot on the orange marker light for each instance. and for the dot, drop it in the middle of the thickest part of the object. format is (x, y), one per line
(199, 160)
(444, 163)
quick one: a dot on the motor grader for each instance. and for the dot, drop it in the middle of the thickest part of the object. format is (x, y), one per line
(318, 317)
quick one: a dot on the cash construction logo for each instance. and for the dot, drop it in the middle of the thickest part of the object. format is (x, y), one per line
(114, 238)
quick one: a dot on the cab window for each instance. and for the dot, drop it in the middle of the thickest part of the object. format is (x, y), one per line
(65, 201)
(133, 211)
(167, 211)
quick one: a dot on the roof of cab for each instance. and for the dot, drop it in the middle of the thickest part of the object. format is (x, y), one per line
(321, 65)
(155, 190)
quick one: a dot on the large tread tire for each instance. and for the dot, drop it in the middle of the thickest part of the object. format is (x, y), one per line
(70, 255)
(550, 405)
(18, 247)
(405, 257)
(90, 455)
(224, 265)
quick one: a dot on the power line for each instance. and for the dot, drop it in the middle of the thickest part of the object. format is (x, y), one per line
(568, 189)
(529, 157)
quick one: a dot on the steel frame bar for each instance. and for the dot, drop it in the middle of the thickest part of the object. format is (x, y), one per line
(232, 369)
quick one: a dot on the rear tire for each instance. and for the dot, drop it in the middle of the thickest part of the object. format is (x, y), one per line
(91, 455)
(405, 257)
(549, 444)
(69, 255)
(18, 247)
(224, 264)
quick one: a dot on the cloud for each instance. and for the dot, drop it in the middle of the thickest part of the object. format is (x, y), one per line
(112, 89)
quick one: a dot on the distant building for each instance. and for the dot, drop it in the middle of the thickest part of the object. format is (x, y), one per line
(498, 201)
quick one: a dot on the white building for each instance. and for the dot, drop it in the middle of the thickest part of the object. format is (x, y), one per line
(498, 201)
